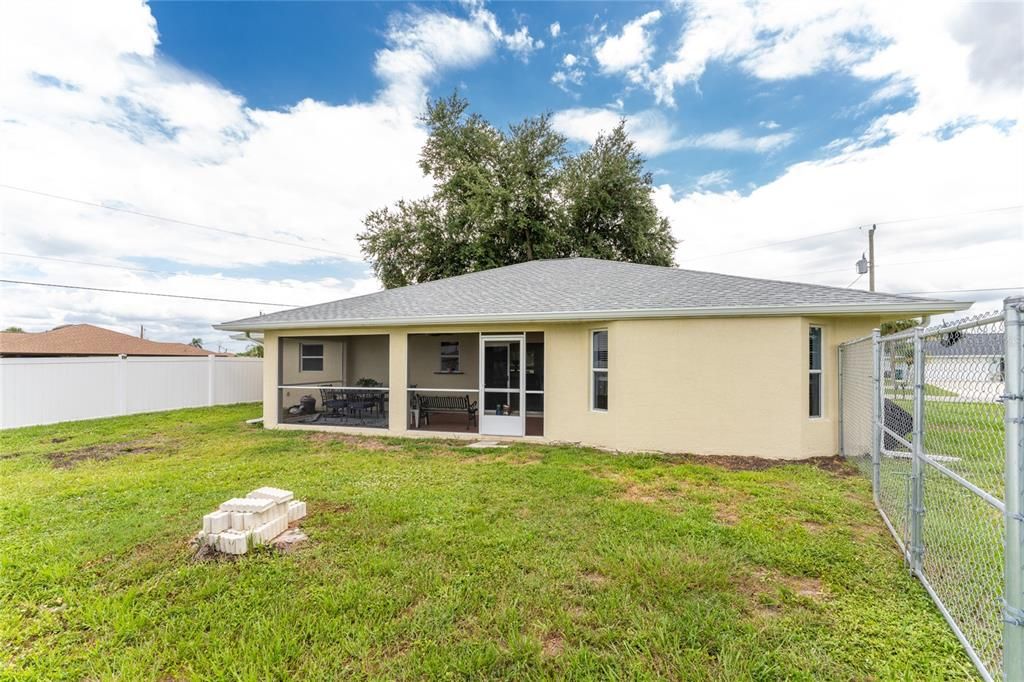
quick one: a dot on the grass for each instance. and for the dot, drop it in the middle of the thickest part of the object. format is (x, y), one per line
(428, 559)
(963, 535)
(903, 389)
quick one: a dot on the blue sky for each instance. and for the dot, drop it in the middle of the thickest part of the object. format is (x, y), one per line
(266, 131)
(276, 54)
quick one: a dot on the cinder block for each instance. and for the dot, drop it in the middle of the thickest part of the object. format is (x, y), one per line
(276, 494)
(217, 521)
(280, 510)
(234, 541)
(246, 520)
(296, 510)
(253, 505)
(270, 530)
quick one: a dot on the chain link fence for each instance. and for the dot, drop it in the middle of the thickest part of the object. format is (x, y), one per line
(933, 417)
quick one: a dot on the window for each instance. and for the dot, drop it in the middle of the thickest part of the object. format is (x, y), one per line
(599, 370)
(449, 356)
(814, 391)
(311, 357)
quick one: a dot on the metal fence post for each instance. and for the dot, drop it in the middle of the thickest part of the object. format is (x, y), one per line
(917, 465)
(839, 359)
(1013, 402)
(877, 410)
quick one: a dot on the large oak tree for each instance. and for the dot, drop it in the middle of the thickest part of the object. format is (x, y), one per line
(508, 197)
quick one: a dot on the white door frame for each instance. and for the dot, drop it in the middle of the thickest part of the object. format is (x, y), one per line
(501, 425)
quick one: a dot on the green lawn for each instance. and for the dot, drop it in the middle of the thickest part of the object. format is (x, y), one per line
(427, 559)
(963, 535)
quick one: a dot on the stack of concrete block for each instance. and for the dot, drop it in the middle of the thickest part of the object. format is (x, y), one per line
(255, 519)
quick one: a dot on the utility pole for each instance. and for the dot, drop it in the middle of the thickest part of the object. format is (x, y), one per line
(142, 332)
(871, 258)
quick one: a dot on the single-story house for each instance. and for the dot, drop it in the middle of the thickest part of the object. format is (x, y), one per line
(80, 340)
(610, 354)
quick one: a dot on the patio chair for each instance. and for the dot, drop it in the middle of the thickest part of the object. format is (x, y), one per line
(331, 400)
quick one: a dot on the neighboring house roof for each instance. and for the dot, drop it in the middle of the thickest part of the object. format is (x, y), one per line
(86, 339)
(588, 289)
(982, 344)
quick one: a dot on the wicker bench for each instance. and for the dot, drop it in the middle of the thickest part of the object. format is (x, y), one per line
(425, 405)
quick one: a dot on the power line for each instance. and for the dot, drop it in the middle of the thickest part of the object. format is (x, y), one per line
(142, 293)
(957, 291)
(176, 221)
(128, 268)
(764, 246)
(856, 227)
(888, 265)
(948, 215)
(94, 264)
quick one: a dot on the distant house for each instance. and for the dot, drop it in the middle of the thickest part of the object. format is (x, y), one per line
(79, 340)
(618, 355)
(964, 358)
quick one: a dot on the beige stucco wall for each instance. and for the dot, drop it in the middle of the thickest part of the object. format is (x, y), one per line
(821, 435)
(291, 372)
(729, 386)
(367, 359)
(425, 360)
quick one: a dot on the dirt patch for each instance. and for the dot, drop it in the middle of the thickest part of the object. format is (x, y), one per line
(328, 507)
(361, 442)
(639, 493)
(834, 465)
(812, 526)
(595, 579)
(726, 515)
(768, 589)
(552, 645)
(510, 458)
(100, 453)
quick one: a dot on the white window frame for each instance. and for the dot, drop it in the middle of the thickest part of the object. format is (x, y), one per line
(594, 370)
(303, 356)
(442, 355)
(820, 372)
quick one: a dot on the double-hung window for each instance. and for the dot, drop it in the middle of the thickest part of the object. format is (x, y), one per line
(449, 357)
(814, 388)
(311, 357)
(599, 370)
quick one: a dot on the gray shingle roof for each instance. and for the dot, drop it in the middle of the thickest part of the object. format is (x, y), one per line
(586, 288)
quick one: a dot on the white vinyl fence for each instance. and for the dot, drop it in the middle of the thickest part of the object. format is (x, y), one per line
(50, 390)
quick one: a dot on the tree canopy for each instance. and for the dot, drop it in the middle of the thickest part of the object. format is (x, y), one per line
(509, 197)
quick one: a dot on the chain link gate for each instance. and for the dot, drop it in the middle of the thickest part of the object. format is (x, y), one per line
(934, 417)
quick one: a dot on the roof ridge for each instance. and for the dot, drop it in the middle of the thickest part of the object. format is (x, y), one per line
(548, 286)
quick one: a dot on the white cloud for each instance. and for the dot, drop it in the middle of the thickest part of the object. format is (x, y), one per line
(733, 140)
(977, 168)
(423, 44)
(572, 73)
(555, 29)
(92, 111)
(625, 52)
(654, 134)
(770, 125)
(716, 178)
(521, 43)
(960, 60)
